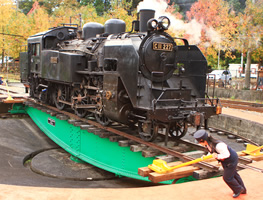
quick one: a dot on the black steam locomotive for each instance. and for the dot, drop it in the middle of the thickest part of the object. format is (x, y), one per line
(140, 78)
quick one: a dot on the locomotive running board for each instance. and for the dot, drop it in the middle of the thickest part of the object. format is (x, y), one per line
(87, 146)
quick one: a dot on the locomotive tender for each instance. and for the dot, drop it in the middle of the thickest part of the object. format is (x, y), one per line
(140, 78)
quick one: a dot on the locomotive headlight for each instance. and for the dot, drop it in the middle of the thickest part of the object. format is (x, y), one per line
(164, 22)
(152, 24)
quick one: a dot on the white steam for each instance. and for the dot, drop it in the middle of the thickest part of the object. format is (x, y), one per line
(193, 29)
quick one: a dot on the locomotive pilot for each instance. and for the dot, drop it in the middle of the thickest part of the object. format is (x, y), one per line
(228, 158)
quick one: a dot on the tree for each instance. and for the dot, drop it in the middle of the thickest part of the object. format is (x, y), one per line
(19, 33)
(236, 5)
(250, 33)
(25, 5)
(6, 11)
(120, 11)
(218, 26)
(101, 6)
(39, 21)
(134, 4)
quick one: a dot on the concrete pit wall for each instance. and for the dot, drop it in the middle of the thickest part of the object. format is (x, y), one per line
(246, 95)
(246, 128)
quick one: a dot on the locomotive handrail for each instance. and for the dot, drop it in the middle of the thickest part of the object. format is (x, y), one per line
(70, 51)
(155, 72)
(155, 101)
(183, 102)
(211, 100)
(207, 83)
(68, 24)
(184, 40)
(192, 102)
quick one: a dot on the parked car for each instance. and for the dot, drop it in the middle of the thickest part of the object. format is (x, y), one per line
(223, 75)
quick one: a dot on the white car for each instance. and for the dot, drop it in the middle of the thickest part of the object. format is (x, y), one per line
(223, 75)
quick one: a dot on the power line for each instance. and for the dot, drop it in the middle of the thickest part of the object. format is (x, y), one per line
(13, 35)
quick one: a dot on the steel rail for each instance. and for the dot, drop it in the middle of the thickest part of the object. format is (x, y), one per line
(241, 103)
(10, 91)
(257, 107)
(242, 166)
(243, 138)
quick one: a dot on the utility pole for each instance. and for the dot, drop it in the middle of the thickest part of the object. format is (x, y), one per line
(218, 60)
(17, 5)
(3, 50)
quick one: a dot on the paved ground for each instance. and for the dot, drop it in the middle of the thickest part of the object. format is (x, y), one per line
(210, 189)
(248, 115)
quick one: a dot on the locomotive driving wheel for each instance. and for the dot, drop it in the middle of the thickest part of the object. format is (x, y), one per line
(59, 94)
(178, 130)
(99, 115)
(78, 99)
(102, 119)
(148, 130)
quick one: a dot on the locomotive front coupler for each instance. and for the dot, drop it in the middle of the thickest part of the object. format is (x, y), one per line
(196, 118)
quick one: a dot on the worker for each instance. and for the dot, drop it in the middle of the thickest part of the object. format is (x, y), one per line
(228, 158)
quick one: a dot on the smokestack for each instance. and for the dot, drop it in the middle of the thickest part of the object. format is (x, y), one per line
(145, 15)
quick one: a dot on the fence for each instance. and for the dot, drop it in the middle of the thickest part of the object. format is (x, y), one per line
(241, 74)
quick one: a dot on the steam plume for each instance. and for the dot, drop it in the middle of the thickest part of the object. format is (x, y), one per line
(192, 29)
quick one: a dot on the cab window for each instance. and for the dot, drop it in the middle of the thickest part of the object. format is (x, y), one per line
(36, 49)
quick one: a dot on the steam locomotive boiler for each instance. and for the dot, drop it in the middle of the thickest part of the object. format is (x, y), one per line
(140, 78)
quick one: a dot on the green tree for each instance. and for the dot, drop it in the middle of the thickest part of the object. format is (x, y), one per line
(25, 5)
(134, 4)
(236, 5)
(101, 6)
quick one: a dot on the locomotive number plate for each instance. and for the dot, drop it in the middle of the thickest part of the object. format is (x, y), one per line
(161, 46)
(52, 122)
(54, 60)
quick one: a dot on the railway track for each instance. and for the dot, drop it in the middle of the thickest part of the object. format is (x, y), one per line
(127, 137)
(10, 92)
(257, 107)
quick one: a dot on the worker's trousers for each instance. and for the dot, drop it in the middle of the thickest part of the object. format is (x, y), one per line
(230, 176)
